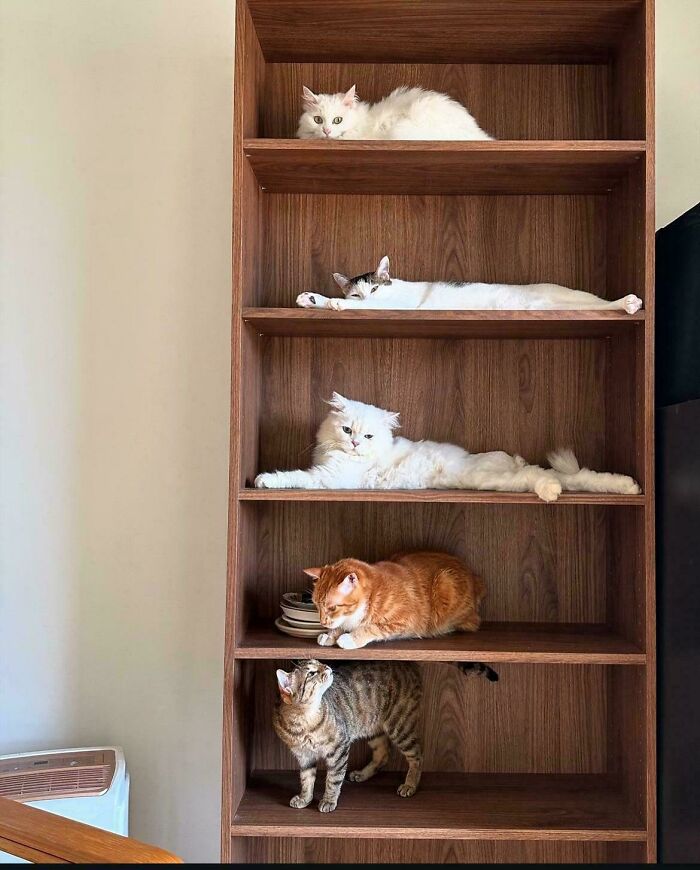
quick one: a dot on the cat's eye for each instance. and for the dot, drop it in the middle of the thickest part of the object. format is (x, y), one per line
(355, 296)
(347, 430)
(369, 436)
(337, 120)
(374, 288)
(318, 119)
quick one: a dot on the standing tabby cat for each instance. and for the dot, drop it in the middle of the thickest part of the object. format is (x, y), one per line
(409, 595)
(323, 711)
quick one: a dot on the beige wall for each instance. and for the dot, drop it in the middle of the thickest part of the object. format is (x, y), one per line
(677, 107)
(116, 157)
(114, 366)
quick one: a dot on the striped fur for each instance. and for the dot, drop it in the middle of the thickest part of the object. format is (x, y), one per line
(323, 711)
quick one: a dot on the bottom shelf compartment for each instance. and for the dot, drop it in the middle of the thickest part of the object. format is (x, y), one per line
(327, 850)
(447, 806)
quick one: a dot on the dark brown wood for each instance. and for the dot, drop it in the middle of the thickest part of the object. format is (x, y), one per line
(322, 850)
(41, 837)
(569, 616)
(442, 31)
(426, 496)
(504, 98)
(248, 85)
(500, 806)
(313, 166)
(441, 324)
(495, 642)
(509, 239)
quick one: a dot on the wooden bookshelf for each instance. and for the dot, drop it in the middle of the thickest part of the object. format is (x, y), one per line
(556, 761)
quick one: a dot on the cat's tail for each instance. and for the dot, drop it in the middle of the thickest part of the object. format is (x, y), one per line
(564, 461)
(477, 669)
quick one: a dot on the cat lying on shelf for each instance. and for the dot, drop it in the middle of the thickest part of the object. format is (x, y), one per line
(356, 448)
(379, 290)
(408, 595)
(324, 710)
(407, 113)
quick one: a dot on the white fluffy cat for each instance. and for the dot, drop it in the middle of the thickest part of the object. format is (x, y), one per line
(407, 113)
(356, 449)
(379, 290)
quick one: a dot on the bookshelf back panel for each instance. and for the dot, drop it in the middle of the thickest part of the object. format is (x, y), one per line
(540, 564)
(505, 99)
(526, 397)
(507, 239)
(472, 725)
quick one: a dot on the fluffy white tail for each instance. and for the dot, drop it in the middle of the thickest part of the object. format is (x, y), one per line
(564, 461)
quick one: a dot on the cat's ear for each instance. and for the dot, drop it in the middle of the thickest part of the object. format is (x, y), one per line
(341, 280)
(337, 402)
(310, 98)
(350, 97)
(382, 273)
(315, 573)
(391, 418)
(284, 683)
(346, 586)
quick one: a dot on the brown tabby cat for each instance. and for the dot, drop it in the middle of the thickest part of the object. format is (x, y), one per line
(409, 595)
(323, 711)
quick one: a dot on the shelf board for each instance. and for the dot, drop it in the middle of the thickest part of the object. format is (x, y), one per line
(514, 167)
(440, 324)
(447, 496)
(447, 806)
(546, 643)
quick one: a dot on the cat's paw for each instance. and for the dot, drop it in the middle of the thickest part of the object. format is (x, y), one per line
(298, 802)
(336, 304)
(405, 790)
(548, 489)
(265, 481)
(347, 641)
(632, 303)
(325, 640)
(326, 806)
(308, 300)
(357, 776)
(629, 486)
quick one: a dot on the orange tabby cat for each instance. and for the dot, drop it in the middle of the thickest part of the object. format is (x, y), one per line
(409, 595)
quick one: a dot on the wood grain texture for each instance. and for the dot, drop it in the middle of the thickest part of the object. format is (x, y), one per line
(45, 838)
(439, 168)
(504, 98)
(248, 83)
(524, 397)
(508, 239)
(427, 496)
(648, 421)
(442, 31)
(299, 850)
(547, 643)
(441, 324)
(539, 565)
(471, 725)
(499, 807)
(579, 213)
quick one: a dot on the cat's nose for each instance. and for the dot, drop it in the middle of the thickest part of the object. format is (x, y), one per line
(353, 442)
(327, 130)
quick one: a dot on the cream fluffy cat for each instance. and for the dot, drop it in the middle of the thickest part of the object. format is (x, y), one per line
(356, 449)
(407, 113)
(379, 290)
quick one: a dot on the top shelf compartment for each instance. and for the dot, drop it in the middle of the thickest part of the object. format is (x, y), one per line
(526, 69)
